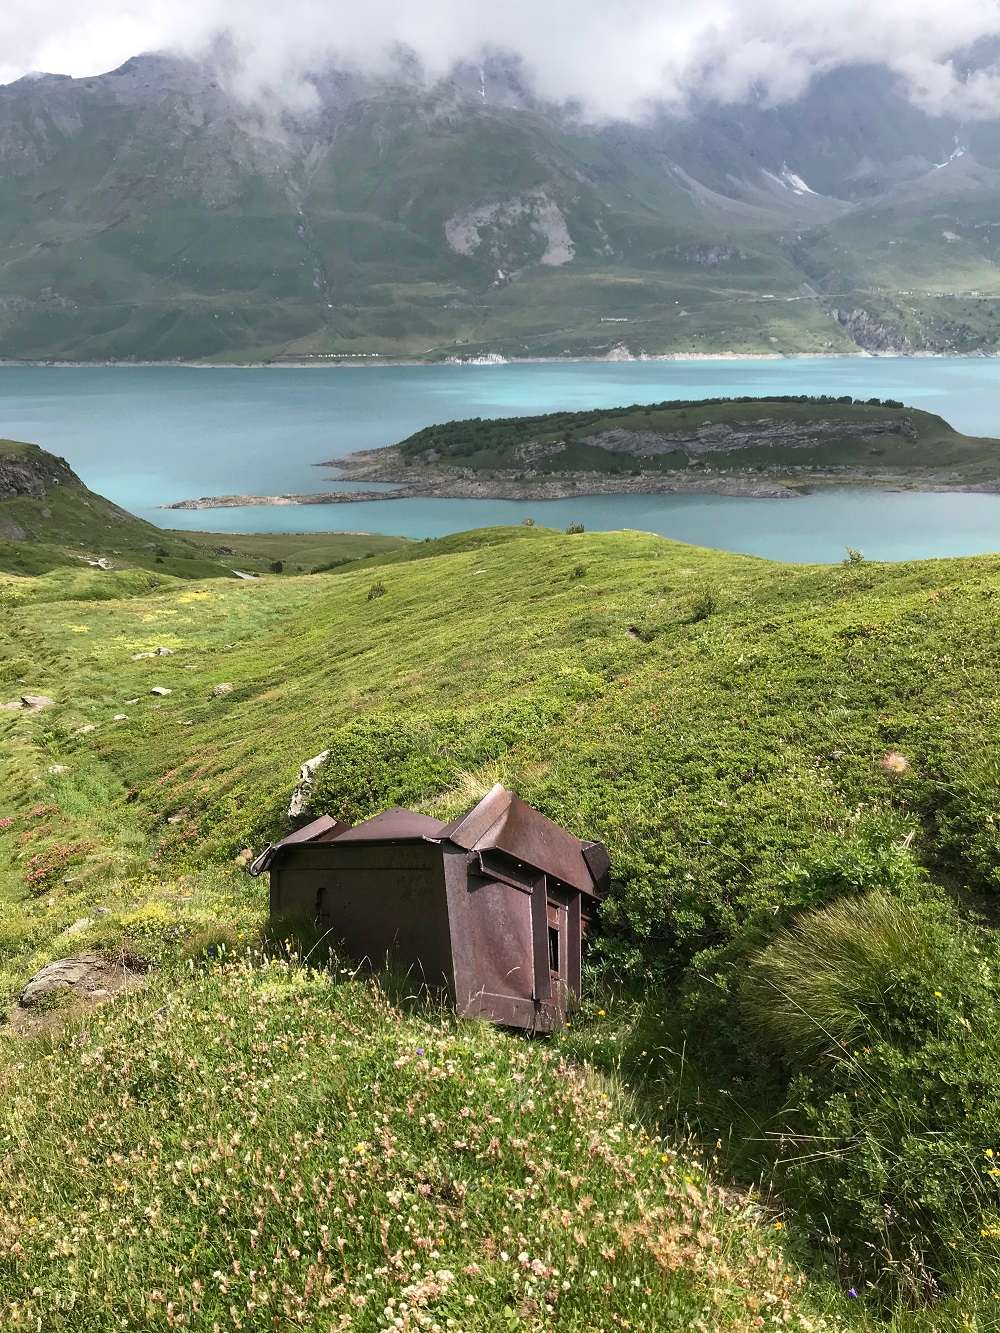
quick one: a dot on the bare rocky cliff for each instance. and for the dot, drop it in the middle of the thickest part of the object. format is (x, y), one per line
(33, 473)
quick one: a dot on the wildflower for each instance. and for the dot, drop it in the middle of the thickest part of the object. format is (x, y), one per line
(853, 1293)
(988, 1153)
(601, 1013)
(938, 995)
(420, 1050)
(779, 1226)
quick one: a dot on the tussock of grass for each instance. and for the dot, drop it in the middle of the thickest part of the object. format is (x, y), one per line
(826, 979)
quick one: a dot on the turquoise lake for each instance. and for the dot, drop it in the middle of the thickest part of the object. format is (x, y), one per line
(145, 436)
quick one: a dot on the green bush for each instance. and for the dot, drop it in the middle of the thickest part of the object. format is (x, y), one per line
(885, 1015)
(705, 605)
(574, 528)
(376, 590)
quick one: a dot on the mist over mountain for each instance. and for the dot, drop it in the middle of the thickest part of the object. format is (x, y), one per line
(154, 212)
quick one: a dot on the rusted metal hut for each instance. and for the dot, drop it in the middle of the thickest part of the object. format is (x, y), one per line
(491, 907)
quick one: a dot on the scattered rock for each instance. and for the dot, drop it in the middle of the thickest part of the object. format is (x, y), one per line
(164, 652)
(160, 691)
(86, 729)
(132, 701)
(299, 803)
(138, 657)
(894, 764)
(174, 819)
(102, 563)
(36, 702)
(219, 690)
(84, 976)
(14, 706)
(120, 717)
(57, 770)
(243, 857)
(79, 926)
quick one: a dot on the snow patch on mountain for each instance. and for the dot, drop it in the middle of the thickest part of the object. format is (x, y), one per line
(789, 180)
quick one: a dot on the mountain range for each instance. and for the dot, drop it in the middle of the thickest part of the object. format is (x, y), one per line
(148, 214)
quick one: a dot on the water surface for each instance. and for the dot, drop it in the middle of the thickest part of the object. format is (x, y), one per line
(145, 436)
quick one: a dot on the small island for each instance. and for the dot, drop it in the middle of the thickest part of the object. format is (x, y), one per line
(773, 448)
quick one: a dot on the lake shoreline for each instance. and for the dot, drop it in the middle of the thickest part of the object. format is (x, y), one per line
(373, 362)
(578, 486)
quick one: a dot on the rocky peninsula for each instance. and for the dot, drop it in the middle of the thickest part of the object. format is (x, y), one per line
(756, 448)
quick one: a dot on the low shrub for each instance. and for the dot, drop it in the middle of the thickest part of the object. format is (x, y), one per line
(573, 528)
(704, 605)
(377, 590)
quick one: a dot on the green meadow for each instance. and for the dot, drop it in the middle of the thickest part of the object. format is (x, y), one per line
(779, 1104)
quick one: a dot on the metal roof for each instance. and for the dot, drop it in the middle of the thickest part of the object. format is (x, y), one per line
(324, 829)
(500, 823)
(393, 826)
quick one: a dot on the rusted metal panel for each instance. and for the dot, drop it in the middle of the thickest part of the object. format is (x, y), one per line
(491, 941)
(392, 910)
(324, 829)
(503, 822)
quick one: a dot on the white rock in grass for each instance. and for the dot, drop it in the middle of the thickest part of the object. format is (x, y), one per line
(36, 702)
(160, 691)
(89, 976)
(299, 803)
(219, 690)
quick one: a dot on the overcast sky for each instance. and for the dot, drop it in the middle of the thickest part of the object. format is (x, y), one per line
(611, 55)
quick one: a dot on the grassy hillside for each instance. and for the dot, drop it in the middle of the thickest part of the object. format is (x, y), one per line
(775, 435)
(263, 1146)
(296, 552)
(761, 746)
(50, 521)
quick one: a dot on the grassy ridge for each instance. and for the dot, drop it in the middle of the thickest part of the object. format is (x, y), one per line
(877, 437)
(753, 741)
(50, 521)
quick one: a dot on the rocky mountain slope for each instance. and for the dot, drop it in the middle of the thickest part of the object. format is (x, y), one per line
(149, 214)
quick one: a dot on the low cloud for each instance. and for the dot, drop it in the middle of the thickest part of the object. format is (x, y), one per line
(613, 59)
